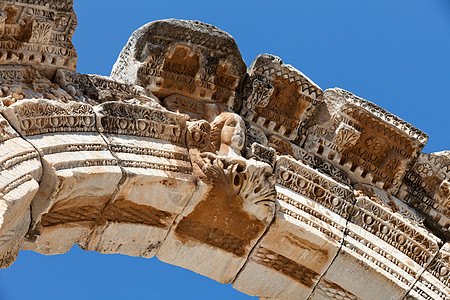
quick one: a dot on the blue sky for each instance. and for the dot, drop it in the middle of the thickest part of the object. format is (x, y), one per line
(393, 53)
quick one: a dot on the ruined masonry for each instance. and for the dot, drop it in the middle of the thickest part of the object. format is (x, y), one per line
(251, 176)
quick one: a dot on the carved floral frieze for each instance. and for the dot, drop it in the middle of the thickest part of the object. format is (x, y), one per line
(252, 177)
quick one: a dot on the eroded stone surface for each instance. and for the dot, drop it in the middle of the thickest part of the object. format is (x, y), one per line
(230, 209)
(38, 33)
(370, 144)
(304, 238)
(426, 187)
(189, 58)
(20, 171)
(157, 181)
(386, 245)
(434, 283)
(79, 173)
(279, 98)
(256, 178)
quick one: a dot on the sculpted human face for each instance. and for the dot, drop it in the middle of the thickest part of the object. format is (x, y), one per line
(233, 133)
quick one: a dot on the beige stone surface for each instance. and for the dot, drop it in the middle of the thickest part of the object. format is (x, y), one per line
(196, 60)
(157, 178)
(32, 32)
(434, 283)
(279, 98)
(304, 238)
(79, 173)
(20, 171)
(386, 245)
(222, 221)
(228, 212)
(371, 145)
(25, 82)
(252, 177)
(426, 188)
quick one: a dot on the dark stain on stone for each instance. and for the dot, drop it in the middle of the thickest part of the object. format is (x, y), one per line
(130, 212)
(285, 266)
(220, 221)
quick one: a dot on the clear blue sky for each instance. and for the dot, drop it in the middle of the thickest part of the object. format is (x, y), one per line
(393, 53)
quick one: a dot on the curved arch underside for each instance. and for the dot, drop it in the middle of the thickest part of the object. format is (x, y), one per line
(252, 176)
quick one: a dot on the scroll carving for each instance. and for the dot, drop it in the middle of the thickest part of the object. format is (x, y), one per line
(233, 174)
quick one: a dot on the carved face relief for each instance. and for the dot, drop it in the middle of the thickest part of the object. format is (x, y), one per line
(233, 133)
(443, 194)
(228, 134)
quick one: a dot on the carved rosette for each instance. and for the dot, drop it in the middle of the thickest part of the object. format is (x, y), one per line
(368, 143)
(278, 98)
(302, 195)
(426, 188)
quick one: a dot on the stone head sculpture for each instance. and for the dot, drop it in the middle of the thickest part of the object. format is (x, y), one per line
(38, 33)
(228, 134)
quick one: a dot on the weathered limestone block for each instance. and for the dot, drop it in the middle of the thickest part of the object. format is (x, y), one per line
(385, 251)
(370, 144)
(189, 58)
(434, 284)
(24, 82)
(193, 109)
(287, 148)
(229, 211)
(262, 153)
(79, 173)
(157, 182)
(278, 98)
(426, 187)
(96, 89)
(326, 290)
(264, 200)
(38, 33)
(20, 172)
(304, 238)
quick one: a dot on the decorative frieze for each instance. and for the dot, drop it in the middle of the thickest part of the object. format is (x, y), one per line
(305, 236)
(278, 98)
(38, 33)
(253, 178)
(25, 82)
(189, 58)
(96, 89)
(385, 245)
(41, 116)
(434, 283)
(370, 144)
(426, 187)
